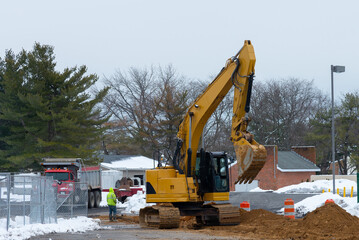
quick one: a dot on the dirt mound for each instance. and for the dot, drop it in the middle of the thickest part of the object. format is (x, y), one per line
(258, 216)
(327, 222)
(329, 218)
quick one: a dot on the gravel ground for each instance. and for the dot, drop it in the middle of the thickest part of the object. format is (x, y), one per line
(131, 231)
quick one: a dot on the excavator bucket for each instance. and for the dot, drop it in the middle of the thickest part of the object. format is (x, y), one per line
(250, 159)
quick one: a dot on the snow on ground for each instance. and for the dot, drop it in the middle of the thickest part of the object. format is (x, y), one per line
(257, 189)
(20, 232)
(132, 204)
(316, 187)
(310, 204)
(17, 231)
(319, 186)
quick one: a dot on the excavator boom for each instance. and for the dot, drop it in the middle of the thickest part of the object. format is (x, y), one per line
(238, 72)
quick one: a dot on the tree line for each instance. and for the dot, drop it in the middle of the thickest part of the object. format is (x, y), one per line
(45, 112)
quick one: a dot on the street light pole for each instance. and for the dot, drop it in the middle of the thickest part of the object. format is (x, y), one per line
(337, 69)
(333, 139)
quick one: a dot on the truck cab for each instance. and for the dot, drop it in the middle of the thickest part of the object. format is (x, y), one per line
(71, 179)
(64, 180)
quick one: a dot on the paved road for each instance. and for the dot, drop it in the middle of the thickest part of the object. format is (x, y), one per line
(265, 200)
(99, 211)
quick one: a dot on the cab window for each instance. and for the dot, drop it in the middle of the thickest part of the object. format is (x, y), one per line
(222, 167)
(60, 176)
(220, 174)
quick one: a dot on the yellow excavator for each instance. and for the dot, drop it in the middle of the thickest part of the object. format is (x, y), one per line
(198, 180)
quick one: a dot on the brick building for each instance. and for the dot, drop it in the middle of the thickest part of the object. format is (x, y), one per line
(283, 168)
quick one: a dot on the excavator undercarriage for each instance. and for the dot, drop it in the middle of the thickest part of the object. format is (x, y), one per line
(168, 215)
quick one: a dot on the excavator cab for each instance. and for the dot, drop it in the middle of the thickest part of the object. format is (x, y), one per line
(212, 172)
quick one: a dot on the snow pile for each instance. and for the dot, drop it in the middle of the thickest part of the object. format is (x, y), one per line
(315, 187)
(257, 189)
(135, 203)
(132, 204)
(19, 232)
(310, 204)
(320, 185)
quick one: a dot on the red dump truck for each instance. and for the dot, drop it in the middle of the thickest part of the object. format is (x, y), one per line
(69, 173)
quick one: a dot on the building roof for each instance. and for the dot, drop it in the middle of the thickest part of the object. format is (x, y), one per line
(112, 158)
(289, 161)
(127, 162)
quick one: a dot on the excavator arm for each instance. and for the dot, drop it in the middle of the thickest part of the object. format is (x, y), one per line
(180, 190)
(238, 72)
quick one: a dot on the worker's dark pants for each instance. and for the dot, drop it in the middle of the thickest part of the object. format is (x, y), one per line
(112, 210)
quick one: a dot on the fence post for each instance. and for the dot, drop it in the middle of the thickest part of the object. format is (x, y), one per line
(23, 199)
(357, 187)
(344, 192)
(42, 196)
(8, 200)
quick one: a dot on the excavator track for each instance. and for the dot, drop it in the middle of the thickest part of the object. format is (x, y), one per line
(160, 217)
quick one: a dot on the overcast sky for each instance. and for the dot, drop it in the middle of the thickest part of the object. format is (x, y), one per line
(291, 38)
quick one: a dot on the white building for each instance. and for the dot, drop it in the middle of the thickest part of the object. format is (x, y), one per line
(124, 166)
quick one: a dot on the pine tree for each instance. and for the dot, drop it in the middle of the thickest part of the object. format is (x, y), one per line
(49, 113)
(347, 130)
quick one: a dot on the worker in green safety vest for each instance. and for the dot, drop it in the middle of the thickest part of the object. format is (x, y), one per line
(111, 202)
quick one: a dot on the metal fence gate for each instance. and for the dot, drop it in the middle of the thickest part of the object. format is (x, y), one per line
(30, 198)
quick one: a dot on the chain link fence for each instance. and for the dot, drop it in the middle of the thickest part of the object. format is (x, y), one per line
(30, 198)
(72, 199)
